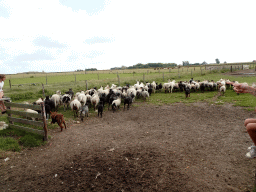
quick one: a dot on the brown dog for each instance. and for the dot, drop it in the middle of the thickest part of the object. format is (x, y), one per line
(57, 117)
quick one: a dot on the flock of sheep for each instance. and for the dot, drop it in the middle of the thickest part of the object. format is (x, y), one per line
(113, 96)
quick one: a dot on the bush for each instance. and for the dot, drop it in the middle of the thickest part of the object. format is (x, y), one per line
(47, 92)
(9, 144)
(30, 141)
(224, 70)
(31, 77)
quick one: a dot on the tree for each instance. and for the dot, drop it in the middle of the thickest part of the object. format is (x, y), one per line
(185, 63)
(217, 61)
(225, 62)
(204, 63)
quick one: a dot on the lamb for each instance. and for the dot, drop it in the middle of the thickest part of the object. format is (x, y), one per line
(31, 111)
(56, 99)
(181, 86)
(100, 109)
(39, 101)
(84, 111)
(75, 105)
(154, 86)
(187, 92)
(159, 87)
(223, 89)
(49, 102)
(82, 98)
(150, 89)
(144, 94)
(116, 103)
(66, 99)
(128, 101)
(202, 87)
(95, 100)
(70, 92)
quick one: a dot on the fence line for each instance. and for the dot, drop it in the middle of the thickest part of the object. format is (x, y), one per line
(39, 123)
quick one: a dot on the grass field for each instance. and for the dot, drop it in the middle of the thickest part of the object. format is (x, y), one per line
(77, 83)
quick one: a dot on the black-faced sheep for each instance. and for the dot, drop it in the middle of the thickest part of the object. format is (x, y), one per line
(128, 101)
(100, 109)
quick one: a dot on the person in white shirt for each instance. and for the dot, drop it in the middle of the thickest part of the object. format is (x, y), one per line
(2, 106)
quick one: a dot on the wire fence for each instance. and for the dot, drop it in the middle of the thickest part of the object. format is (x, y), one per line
(81, 81)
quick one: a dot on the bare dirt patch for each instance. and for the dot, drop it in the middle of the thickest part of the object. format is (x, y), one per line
(176, 147)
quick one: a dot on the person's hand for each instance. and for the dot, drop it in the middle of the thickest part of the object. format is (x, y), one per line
(240, 88)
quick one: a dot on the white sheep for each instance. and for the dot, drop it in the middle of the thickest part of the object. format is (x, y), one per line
(116, 103)
(39, 101)
(154, 86)
(31, 111)
(95, 99)
(145, 94)
(75, 105)
(223, 89)
(56, 99)
(82, 98)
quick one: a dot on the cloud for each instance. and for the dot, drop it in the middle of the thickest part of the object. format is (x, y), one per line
(94, 54)
(4, 10)
(48, 43)
(38, 55)
(91, 7)
(95, 40)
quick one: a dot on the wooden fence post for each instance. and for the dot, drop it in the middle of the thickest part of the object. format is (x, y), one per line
(242, 67)
(86, 85)
(133, 73)
(191, 72)
(201, 72)
(163, 76)
(118, 79)
(194, 68)
(46, 79)
(147, 72)
(231, 68)
(9, 115)
(143, 78)
(98, 76)
(182, 69)
(44, 121)
(75, 78)
(10, 83)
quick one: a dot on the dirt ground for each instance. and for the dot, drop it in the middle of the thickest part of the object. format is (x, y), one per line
(178, 147)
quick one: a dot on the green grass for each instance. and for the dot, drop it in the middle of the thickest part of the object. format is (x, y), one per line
(9, 144)
(62, 82)
(17, 136)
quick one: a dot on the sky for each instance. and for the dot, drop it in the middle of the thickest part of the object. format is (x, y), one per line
(67, 35)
